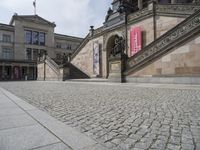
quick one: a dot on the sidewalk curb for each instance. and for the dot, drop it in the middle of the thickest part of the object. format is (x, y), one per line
(68, 135)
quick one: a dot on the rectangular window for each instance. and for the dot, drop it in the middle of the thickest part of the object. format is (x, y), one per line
(69, 47)
(7, 53)
(28, 37)
(58, 45)
(6, 38)
(35, 54)
(42, 39)
(28, 54)
(35, 37)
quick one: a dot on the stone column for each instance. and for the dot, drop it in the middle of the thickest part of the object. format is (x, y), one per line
(12, 72)
(173, 1)
(27, 72)
(140, 4)
(34, 72)
(3, 70)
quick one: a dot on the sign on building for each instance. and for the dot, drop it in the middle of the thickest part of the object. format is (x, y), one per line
(96, 58)
(136, 40)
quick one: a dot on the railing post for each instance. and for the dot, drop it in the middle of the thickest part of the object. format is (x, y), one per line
(45, 57)
(140, 4)
(3, 71)
(152, 7)
(173, 1)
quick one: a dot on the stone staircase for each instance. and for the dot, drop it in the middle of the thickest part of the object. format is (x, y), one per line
(48, 69)
(174, 38)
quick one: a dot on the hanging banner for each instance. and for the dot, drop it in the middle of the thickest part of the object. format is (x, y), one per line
(136, 40)
(96, 58)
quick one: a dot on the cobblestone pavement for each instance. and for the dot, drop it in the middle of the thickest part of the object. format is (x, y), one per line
(121, 117)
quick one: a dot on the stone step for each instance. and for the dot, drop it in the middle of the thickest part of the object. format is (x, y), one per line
(89, 80)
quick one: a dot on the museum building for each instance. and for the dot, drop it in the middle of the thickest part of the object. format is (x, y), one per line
(24, 40)
(144, 41)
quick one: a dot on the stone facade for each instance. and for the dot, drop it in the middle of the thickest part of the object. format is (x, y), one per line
(165, 23)
(155, 21)
(84, 59)
(24, 40)
(182, 61)
(147, 27)
(48, 72)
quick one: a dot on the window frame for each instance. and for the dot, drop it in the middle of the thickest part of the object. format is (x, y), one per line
(7, 53)
(6, 38)
(30, 38)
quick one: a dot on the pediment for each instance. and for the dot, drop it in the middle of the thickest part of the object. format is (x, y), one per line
(33, 18)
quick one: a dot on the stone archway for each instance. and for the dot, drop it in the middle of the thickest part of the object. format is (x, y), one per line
(109, 46)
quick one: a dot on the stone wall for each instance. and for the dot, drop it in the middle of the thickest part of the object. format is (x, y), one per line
(147, 32)
(48, 73)
(84, 59)
(150, 30)
(182, 61)
(164, 24)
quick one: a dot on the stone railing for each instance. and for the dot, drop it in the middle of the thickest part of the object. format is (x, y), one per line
(174, 37)
(84, 42)
(164, 9)
(140, 15)
(98, 31)
(177, 9)
(53, 65)
(86, 39)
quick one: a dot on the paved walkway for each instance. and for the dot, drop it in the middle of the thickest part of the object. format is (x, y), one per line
(24, 127)
(118, 116)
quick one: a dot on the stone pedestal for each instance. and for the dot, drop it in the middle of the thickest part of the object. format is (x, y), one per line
(116, 67)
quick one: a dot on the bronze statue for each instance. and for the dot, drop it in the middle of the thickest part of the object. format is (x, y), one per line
(118, 47)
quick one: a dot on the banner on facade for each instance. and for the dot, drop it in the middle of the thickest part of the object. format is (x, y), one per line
(16, 72)
(96, 58)
(135, 40)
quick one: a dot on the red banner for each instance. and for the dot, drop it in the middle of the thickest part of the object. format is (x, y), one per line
(16, 72)
(136, 40)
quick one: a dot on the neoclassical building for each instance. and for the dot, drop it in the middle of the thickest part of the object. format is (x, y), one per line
(139, 41)
(144, 41)
(26, 38)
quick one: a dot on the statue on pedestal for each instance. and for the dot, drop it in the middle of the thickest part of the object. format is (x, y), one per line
(119, 47)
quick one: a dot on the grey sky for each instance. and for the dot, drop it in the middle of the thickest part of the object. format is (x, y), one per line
(72, 17)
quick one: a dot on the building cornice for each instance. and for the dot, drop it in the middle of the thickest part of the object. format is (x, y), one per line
(32, 18)
(67, 37)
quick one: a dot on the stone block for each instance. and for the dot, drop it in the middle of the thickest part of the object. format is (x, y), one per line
(27, 137)
(56, 146)
(69, 135)
(10, 112)
(15, 121)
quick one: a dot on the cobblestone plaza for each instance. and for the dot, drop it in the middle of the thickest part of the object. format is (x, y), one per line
(121, 116)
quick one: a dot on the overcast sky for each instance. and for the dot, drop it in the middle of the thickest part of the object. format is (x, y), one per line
(72, 17)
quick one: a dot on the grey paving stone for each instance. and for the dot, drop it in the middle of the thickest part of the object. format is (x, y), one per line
(56, 146)
(105, 112)
(7, 104)
(14, 121)
(18, 101)
(197, 145)
(173, 147)
(73, 138)
(187, 146)
(95, 147)
(11, 111)
(25, 138)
